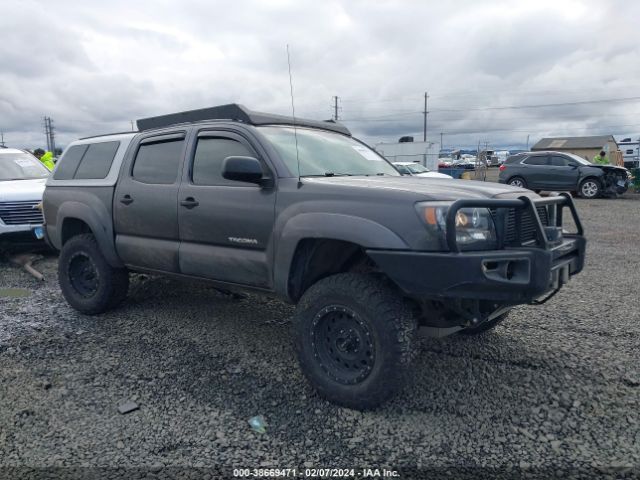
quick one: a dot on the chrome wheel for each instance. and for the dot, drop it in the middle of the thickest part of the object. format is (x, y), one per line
(517, 182)
(589, 189)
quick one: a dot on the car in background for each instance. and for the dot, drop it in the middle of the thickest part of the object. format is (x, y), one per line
(466, 161)
(444, 162)
(22, 182)
(416, 170)
(502, 156)
(559, 171)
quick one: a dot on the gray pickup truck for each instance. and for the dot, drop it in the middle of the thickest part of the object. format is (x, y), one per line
(304, 211)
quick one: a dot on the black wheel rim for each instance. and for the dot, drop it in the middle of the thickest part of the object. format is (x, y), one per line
(342, 344)
(83, 275)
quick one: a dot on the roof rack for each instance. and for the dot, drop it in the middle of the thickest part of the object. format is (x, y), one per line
(108, 135)
(235, 112)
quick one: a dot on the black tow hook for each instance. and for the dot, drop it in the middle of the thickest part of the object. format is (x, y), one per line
(547, 298)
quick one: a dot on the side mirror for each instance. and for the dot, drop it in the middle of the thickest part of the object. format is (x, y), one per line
(573, 165)
(243, 169)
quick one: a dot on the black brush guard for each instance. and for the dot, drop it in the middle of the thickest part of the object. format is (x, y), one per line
(524, 271)
(556, 206)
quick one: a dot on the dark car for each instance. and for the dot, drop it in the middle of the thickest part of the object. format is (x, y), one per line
(558, 171)
(305, 212)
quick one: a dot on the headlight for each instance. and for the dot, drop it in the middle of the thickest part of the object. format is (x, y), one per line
(475, 229)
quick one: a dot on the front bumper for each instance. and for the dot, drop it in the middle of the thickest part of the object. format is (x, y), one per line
(509, 276)
(19, 235)
(512, 275)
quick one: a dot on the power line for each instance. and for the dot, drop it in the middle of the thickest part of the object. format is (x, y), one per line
(494, 108)
(491, 130)
(542, 105)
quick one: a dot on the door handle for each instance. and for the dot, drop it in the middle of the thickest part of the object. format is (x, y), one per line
(189, 202)
(126, 199)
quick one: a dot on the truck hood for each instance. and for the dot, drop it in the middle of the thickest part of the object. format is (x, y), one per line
(427, 188)
(22, 190)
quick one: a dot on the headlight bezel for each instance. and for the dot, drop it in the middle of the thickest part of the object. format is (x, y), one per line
(475, 226)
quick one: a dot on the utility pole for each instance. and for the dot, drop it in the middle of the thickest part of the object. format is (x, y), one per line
(50, 135)
(425, 112)
(441, 144)
(527, 143)
(46, 132)
(336, 108)
(2, 140)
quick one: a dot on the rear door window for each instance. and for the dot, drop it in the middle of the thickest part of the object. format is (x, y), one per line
(558, 161)
(158, 161)
(536, 160)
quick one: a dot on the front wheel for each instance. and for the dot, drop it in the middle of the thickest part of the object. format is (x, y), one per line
(590, 188)
(355, 336)
(88, 282)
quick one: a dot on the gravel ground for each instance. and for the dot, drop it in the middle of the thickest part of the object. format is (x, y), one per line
(553, 391)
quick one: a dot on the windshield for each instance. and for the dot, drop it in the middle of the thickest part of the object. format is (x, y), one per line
(21, 166)
(417, 168)
(578, 159)
(326, 154)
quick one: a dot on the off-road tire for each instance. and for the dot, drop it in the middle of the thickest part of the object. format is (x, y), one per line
(384, 326)
(596, 187)
(485, 326)
(523, 183)
(111, 284)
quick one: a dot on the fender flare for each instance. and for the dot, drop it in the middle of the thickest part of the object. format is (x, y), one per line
(99, 220)
(331, 226)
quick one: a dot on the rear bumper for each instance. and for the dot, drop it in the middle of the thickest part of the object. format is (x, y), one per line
(512, 276)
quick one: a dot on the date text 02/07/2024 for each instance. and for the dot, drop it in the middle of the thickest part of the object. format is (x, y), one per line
(315, 473)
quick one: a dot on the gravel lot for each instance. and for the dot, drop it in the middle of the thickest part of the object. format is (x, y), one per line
(553, 391)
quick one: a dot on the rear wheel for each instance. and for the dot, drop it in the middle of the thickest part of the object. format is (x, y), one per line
(590, 188)
(518, 182)
(88, 282)
(355, 336)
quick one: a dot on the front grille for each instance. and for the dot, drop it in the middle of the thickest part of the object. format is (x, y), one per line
(21, 213)
(526, 227)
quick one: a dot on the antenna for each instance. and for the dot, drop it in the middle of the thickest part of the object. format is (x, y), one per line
(293, 112)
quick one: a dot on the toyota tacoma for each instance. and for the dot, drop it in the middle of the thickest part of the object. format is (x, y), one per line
(302, 210)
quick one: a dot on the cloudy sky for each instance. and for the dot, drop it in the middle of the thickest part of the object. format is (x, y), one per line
(495, 71)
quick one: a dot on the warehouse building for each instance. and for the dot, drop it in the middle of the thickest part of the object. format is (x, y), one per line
(585, 147)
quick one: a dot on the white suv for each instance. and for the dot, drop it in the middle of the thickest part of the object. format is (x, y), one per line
(22, 180)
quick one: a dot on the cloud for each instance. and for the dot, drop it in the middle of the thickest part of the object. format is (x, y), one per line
(95, 66)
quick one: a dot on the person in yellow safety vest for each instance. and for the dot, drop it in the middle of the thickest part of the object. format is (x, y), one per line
(47, 160)
(601, 158)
